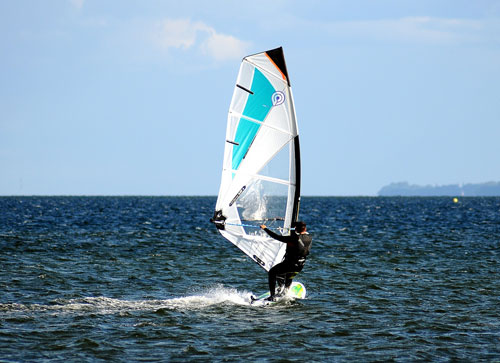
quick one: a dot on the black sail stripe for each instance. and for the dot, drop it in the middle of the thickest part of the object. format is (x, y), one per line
(244, 89)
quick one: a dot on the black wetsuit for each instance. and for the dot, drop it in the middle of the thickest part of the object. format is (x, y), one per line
(297, 249)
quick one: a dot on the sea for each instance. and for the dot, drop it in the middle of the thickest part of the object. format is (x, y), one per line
(134, 279)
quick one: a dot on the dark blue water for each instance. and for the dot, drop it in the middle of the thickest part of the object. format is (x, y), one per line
(150, 279)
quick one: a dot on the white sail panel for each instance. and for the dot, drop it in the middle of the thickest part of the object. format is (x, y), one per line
(261, 168)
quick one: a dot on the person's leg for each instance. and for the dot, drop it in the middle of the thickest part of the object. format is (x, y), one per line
(279, 269)
(289, 278)
(294, 271)
(272, 281)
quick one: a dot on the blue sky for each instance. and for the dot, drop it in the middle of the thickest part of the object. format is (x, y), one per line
(126, 97)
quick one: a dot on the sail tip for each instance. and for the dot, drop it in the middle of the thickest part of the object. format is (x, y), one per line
(278, 58)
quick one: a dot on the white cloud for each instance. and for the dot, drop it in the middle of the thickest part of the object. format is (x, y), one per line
(178, 33)
(77, 3)
(222, 46)
(410, 29)
(187, 35)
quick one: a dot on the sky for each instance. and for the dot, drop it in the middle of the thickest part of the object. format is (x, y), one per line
(124, 97)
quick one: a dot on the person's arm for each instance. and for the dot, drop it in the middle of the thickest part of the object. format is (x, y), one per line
(278, 237)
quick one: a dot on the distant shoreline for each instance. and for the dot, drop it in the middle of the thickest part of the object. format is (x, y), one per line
(489, 189)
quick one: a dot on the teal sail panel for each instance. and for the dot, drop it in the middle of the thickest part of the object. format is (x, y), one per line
(257, 107)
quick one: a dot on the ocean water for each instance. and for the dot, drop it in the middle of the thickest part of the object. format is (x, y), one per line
(150, 279)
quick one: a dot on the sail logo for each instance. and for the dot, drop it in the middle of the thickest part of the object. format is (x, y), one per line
(278, 98)
(237, 195)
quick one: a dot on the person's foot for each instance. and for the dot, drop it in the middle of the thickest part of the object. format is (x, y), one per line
(271, 298)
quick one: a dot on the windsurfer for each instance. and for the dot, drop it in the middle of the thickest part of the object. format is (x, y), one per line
(298, 244)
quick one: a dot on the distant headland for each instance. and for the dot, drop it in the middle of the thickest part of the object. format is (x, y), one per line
(466, 190)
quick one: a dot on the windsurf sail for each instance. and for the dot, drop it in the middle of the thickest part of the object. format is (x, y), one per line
(260, 181)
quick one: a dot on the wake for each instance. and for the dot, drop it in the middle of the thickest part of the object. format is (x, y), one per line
(214, 296)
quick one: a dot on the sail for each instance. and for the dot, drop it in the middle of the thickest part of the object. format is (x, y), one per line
(260, 181)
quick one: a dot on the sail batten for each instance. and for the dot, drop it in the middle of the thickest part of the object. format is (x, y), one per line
(270, 179)
(287, 132)
(260, 180)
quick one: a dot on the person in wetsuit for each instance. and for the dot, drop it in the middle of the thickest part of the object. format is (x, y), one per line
(298, 244)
